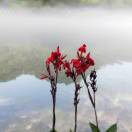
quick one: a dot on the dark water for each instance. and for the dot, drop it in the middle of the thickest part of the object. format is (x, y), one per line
(26, 38)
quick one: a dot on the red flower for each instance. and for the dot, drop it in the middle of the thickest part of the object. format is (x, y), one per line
(68, 73)
(54, 56)
(56, 59)
(49, 60)
(76, 63)
(82, 49)
(82, 62)
(67, 68)
(90, 60)
(66, 65)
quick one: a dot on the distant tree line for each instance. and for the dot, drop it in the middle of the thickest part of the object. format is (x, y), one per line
(90, 2)
(85, 2)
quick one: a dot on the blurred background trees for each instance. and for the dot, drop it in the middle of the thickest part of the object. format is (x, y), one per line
(70, 2)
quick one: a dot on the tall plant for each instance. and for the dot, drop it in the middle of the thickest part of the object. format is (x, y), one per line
(53, 66)
(71, 71)
(86, 62)
(76, 67)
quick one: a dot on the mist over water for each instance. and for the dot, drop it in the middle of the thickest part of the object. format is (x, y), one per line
(26, 37)
(66, 26)
(69, 27)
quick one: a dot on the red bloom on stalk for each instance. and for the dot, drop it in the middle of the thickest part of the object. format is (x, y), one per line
(79, 64)
(76, 63)
(67, 68)
(54, 56)
(56, 59)
(90, 60)
(82, 49)
(82, 62)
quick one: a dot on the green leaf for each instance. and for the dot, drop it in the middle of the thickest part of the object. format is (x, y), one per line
(53, 131)
(70, 130)
(93, 127)
(112, 128)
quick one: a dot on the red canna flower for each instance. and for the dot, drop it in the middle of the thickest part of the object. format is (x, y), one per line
(82, 49)
(68, 73)
(76, 63)
(49, 60)
(82, 62)
(56, 59)
(79, 65)
(67, 65)
(90, 60)
(67, 68)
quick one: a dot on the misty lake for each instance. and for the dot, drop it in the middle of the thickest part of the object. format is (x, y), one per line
(28, 36)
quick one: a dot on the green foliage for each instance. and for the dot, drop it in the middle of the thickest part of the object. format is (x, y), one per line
(70, 130)
(82, 2)
(112, 128)
(53, 131)
(17, 60)
(93, 127)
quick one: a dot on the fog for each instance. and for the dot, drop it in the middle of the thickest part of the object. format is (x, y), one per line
(106, 31)
(66, 26)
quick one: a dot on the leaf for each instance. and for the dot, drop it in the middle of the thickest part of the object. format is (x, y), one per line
(70, 130)
(112, 128)
(43, 76)
(53, 131)
(93, 127)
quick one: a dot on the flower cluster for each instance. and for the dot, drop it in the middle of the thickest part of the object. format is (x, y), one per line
(68, 69)
(80, 64)
(56, 58)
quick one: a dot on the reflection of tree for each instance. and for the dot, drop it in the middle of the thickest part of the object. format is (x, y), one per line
(17, 60)
(109, 2)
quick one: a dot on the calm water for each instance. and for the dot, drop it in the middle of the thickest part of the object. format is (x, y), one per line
(25, 101)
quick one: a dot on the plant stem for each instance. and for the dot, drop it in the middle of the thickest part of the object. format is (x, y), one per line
(54, 100)
(54, 89)
(53, 82)
(76, 110)
(92, 99)
(95, 112)
(54, 116)
(89, 94)
(76, 101)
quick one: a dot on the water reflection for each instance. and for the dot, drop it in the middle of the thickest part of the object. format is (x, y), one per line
(25, 103)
